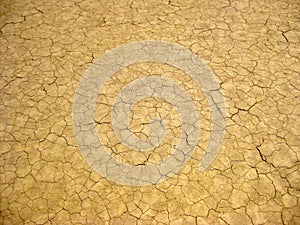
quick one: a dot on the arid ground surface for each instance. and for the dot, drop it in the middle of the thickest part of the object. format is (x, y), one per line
(251, 47)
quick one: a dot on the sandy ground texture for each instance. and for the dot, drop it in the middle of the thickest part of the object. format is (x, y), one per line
(252, 47)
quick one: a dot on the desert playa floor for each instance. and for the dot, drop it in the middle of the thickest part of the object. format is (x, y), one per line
(72, 154)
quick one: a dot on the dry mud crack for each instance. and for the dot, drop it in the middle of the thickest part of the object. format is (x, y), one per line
(251, 48)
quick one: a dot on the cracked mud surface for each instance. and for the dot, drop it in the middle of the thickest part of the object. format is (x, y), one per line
(252, 47)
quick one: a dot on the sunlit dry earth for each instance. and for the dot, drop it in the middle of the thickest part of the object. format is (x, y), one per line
(252, 47)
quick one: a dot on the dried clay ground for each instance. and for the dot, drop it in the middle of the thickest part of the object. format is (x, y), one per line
(252, 47)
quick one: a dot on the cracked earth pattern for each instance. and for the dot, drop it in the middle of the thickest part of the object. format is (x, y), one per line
(252, 47)
(150, 86)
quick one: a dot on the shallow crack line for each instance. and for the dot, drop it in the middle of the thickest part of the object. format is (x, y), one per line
(262, 156)
(285, 37)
